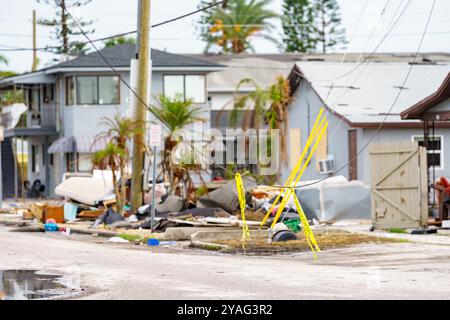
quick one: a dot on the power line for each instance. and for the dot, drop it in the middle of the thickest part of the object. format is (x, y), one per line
(390, 109)
(124, 33)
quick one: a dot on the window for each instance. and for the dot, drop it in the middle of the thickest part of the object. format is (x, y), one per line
(108, 90)
(49, 93)
(435, 150)
(87, 90)
(188, 86)
(79, 162)
(84, 162)
(70, 91)
(92, 90)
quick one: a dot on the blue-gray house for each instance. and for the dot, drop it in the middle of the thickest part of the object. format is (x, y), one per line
(64, 104)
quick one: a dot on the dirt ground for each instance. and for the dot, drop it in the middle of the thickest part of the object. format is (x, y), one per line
(327, 241)
(125, 271)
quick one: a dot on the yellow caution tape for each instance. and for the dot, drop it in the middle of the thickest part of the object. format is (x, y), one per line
(309, 235)
(302, 170)
(314, 133)
(241, 196)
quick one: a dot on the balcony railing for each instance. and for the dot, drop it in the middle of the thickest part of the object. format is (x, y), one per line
(45, 118)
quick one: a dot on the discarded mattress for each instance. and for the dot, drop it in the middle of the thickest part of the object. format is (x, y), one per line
(336, 199)
(87, 190)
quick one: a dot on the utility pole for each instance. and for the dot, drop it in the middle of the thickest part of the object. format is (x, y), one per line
(143, 49)
(34, 67)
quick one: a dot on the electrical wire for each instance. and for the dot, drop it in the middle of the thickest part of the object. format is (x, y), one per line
(119, 34)
(390, 109)
(343, 167)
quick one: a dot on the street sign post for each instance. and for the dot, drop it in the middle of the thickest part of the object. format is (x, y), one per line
(155, 142)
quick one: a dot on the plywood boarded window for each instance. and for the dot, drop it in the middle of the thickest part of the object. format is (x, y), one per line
(322, 149)
(295, 146)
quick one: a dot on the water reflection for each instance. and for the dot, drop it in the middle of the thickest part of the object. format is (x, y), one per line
(28, 284)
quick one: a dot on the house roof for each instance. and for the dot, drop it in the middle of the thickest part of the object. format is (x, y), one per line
(364, 93)
(120, 56)
(261, 70)
(417, 110)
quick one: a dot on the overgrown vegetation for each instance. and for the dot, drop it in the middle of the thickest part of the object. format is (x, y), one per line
(116, 154)
(178, 158)
(264, 108)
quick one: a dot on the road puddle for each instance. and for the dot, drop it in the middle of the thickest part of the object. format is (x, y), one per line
(33, 284)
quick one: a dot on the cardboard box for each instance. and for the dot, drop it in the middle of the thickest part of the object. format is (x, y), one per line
(55, 212)
(90, 214)
(43, 211)
(38, 210)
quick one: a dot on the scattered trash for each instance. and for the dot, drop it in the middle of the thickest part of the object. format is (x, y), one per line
(50, 225)
(284, 235)
(167, 243)
(70, 211)
(118, 240)
(152, 242)
(109, 217)
(225, 197)
(170, 204)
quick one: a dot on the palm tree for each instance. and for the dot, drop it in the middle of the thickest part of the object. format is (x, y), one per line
(264, 106)
(116, 155)
(176, 113)
(231, 28)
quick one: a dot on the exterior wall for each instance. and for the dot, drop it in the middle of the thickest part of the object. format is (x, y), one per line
(443, 106)
(83, 120)
(399, 135)
(301, 115)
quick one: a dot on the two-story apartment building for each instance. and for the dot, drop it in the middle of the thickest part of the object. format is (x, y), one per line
(66, 102)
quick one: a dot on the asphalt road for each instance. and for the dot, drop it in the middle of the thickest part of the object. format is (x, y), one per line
(114, 271)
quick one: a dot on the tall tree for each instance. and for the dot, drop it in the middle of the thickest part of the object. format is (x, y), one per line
(230, 29)
(119, 40)
(64, 29)
(298, 26)
(328, 25)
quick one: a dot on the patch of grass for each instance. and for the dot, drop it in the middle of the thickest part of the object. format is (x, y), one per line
(397, 230)
(325, 241)
(132, 237)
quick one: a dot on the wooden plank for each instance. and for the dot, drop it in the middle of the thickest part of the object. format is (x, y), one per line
(392, 203)
(352, 155)
(322, 150)
(295, 144)
(396, 166)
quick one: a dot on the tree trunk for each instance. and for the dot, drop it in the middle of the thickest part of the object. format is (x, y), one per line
(64, 30)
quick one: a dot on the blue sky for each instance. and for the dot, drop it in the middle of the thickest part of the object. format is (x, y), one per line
(115, 16)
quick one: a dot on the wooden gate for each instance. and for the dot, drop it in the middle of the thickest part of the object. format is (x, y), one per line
(399, 188)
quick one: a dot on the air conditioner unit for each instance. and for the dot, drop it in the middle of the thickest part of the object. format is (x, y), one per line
(326, 166)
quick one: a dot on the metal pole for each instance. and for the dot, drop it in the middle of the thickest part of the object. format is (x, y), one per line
(153, 189)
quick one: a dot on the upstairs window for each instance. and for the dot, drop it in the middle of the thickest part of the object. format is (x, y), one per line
(187, 86)
(93, 90)
(87, 88)
(435, 150)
